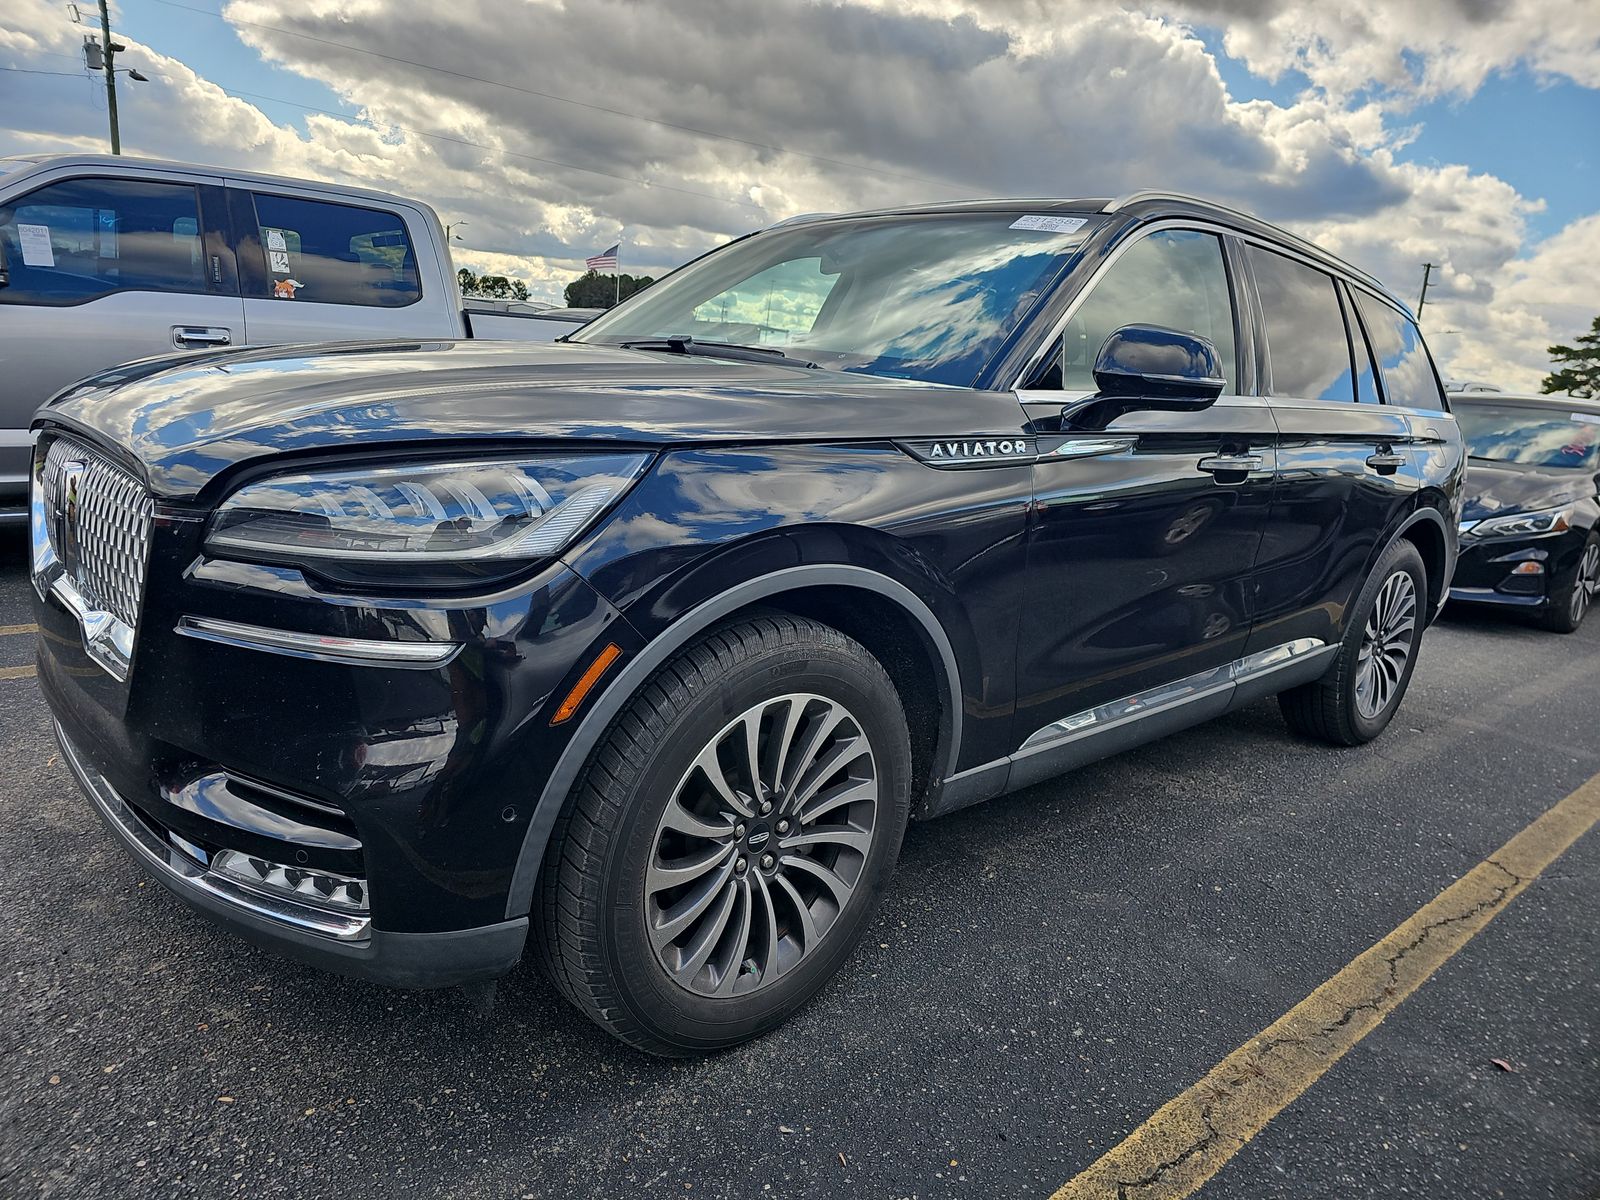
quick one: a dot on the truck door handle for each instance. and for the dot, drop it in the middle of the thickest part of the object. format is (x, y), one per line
(1386, 462)
(1231, 468)
(187, 337)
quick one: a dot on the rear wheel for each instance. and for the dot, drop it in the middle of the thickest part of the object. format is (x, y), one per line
(1357, 698)
(1570, 605)
(730, 838)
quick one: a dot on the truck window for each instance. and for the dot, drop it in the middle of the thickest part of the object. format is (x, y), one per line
(1307, 347)
(80, 239)
(325, 253)
(1408, 378)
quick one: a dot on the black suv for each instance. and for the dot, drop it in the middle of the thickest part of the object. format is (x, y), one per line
(654, 639)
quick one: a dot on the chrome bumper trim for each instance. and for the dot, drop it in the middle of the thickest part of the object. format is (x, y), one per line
(183, 873)
(353, 651)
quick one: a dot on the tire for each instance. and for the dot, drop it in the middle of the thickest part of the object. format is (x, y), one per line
(1352, 704)
(622, 939)
(1570, 604)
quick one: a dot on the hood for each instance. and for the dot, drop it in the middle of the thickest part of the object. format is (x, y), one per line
(188, 419)
(1496, 488)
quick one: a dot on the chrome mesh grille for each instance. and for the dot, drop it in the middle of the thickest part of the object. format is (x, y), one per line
(102, 532)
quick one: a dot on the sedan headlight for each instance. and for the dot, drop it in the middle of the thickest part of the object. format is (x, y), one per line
(463, 512)
(1549, 520)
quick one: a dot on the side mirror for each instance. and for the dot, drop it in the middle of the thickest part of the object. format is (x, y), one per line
(1144, 368)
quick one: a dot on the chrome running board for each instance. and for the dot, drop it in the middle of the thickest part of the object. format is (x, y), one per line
(1107, 729)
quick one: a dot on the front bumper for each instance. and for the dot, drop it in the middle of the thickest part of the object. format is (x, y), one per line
(309, 933)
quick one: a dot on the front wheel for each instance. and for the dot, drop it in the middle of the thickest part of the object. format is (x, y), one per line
(1355, 701)
(730, 838)
(1569, 605)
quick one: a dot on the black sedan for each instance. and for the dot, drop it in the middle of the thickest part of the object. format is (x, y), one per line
(1529, 537)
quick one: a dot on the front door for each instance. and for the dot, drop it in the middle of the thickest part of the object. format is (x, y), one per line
(1144, 536)
(103, 271)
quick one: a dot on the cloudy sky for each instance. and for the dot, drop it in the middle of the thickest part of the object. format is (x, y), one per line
(1460, 132)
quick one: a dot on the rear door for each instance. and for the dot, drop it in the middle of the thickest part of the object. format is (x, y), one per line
(1144, 537)
(104, 270)
(1345, 467)
(315, 269)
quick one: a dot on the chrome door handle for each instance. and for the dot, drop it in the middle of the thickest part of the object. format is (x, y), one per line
(1231, 468)
(187, 337)
(1385, 463)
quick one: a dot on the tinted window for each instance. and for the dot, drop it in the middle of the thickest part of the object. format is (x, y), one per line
(1538, 437)
(73, 241)
(335, 253)
(919, 297)
(1174, 278)
(1366, 373)
(1306, 344)
(1408, 377)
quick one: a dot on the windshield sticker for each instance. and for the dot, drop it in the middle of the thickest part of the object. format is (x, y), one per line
(284, 289)
(1050, 224)
(36, 249)
(1587, 418)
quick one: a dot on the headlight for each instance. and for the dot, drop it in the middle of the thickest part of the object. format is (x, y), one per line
(1549, 520)
(464, 512)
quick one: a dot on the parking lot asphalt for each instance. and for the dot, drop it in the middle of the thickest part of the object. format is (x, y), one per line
(1048, 970)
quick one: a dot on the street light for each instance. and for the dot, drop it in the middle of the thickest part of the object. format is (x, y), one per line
(449, 234)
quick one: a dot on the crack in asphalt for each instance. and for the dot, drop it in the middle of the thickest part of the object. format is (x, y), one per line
(1224, 1091)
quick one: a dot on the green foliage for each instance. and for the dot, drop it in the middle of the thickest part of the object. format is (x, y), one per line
(1578, 366)
(491, 287)
(594, 290)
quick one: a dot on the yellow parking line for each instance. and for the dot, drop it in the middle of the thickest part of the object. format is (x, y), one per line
(1192, 1137)
(26, 672)
(8, 630)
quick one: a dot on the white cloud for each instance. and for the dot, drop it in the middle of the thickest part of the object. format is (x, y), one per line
(930, 99)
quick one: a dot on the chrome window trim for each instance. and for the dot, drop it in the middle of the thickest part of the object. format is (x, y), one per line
(368, 652)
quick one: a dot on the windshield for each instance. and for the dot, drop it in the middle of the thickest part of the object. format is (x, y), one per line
(1535, 437)
(921, 297)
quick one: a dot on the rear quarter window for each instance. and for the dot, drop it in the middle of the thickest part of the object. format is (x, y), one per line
(1408, 376)
(320, 252)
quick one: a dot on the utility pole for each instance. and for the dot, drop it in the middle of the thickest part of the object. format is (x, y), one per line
(1427, 272)
(111, 78)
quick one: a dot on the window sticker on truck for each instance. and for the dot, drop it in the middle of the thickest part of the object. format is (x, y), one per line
(284, 289)
(36, 249)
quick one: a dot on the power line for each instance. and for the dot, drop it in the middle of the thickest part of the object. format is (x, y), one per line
(615, 112)
(459, 141)
(30, 71)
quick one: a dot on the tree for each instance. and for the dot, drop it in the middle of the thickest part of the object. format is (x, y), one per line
(594, 290)
(1578, 369)
(491, 287)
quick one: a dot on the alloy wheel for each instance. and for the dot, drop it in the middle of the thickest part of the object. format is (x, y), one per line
(1386, 644)
(1587, 583)
(761, 846)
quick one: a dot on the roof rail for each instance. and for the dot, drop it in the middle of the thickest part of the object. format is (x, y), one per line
(1135, 197)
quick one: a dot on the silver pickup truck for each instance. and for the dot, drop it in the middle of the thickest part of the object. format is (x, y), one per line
(107, 259)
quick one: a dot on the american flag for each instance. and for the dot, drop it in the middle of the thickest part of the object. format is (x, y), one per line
(606, 260)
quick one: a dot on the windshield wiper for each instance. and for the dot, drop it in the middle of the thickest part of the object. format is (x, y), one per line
(684, 344)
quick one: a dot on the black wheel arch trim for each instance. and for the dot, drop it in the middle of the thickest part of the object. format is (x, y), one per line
(605, 707)
(1422, 514)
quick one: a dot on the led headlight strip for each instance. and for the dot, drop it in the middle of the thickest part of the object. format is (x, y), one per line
(462, 511)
